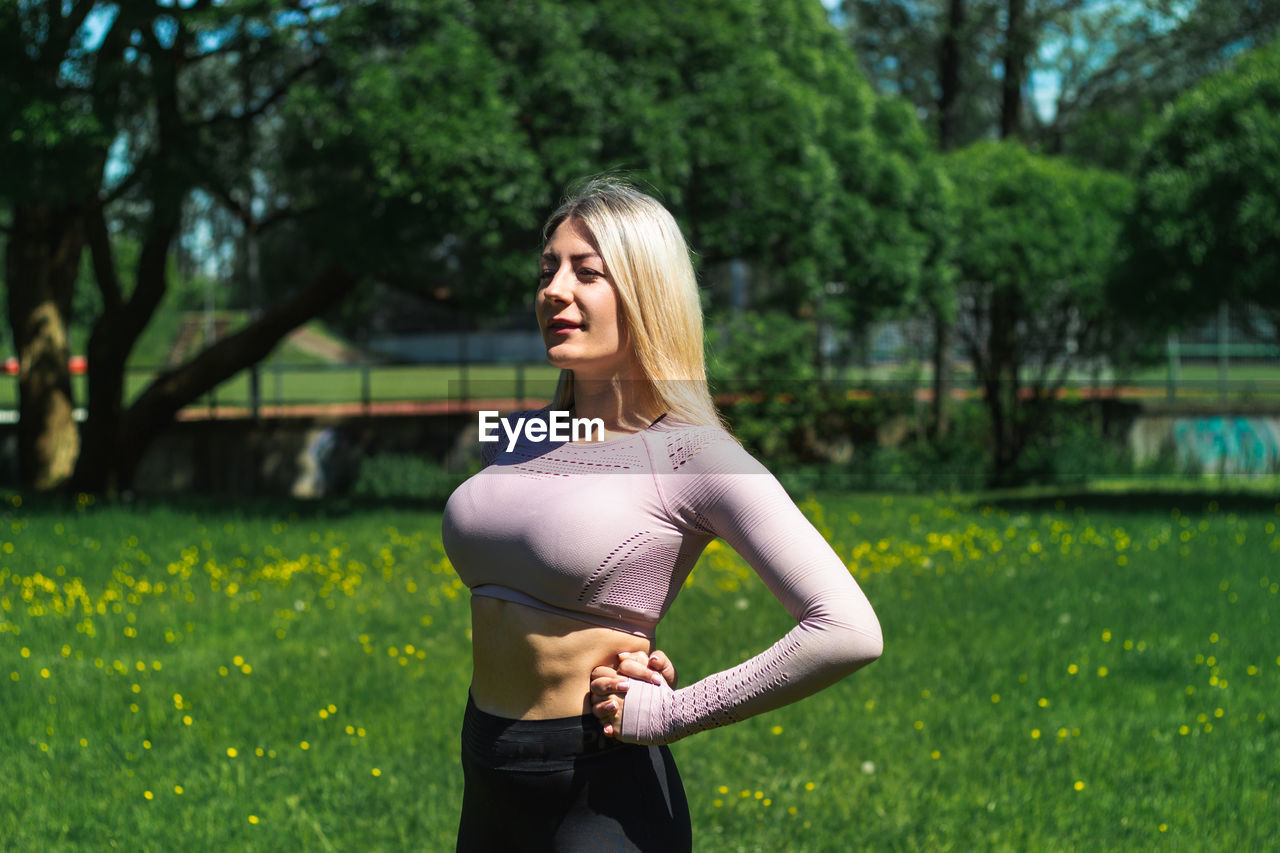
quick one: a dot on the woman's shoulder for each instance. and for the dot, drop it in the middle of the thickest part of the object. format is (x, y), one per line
(702, 448)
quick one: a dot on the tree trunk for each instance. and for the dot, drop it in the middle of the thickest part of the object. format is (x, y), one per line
(949, 75)
(940, 423)
(118, 445)
(41, 264)
(1016, 48)
(1002, 383)
(948, 104)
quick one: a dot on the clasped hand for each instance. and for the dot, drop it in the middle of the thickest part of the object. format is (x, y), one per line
(609, 684)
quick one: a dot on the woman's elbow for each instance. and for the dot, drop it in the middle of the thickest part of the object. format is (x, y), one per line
(860, 645)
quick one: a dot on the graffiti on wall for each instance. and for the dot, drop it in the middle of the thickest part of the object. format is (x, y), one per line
(1228, 445)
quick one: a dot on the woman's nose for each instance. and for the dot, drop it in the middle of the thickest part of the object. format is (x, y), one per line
(560, 287)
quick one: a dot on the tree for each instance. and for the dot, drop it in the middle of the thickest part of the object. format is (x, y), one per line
(417, 144)
(1120, 64)
(1203, 227)
(1035, 246)
(121, 113)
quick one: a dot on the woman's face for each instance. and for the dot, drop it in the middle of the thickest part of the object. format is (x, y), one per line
(577, 308)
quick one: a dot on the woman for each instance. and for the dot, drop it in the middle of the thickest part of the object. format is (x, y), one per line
(574, 550)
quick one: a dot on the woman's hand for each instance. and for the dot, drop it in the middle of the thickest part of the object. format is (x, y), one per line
(609, 684)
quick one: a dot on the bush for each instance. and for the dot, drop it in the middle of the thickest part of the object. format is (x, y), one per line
(405, 475)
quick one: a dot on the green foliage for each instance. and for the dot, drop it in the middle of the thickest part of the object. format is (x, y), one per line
(1203, 228)
(405, 475)
(1036, 225)
(750, 347)
(1035, 247)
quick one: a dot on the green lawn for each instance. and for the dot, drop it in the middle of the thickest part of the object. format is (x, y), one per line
(1092, 673)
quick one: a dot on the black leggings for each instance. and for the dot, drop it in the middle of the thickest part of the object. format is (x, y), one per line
(561, 785)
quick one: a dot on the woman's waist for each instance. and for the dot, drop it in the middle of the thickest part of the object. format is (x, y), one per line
(533, 664)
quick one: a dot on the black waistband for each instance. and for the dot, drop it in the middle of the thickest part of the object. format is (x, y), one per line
(532, 745)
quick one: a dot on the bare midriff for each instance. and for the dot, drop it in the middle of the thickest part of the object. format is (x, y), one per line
(530, 664)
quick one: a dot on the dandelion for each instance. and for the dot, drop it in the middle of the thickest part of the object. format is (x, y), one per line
(253, 818)
(376, 772)
(304, 746)
(1079, 786)
(1035, 734)
(1102, 672)
(232, 752)
(148, 795)
(809, 786)
(935, 755)
(777, 730)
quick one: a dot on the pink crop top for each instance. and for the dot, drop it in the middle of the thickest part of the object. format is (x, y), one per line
(607, 533)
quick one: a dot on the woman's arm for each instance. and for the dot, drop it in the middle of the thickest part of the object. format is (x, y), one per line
(722, 490)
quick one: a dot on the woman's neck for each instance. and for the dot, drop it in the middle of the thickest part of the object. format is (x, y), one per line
(624, 405)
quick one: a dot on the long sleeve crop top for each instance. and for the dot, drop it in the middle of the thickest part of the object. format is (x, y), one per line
(608, 532)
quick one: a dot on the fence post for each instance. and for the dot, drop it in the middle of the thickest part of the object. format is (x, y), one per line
(1223, 350)
(1171, 347)
(366, 387)
(255, 390)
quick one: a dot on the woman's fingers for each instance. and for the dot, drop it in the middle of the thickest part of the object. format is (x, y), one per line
(636, 665)
(659, 662)
(609, 713)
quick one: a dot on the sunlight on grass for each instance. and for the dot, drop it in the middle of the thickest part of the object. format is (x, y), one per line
(1058, 673)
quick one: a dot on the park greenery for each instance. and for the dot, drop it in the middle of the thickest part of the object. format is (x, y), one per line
(1079, 672)
(309, 156)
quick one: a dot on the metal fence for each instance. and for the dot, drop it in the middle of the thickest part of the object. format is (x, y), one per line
(283, 390)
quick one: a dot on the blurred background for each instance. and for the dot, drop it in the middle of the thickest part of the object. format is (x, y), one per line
(943, 243)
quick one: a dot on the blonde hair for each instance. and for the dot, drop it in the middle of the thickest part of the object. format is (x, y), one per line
(648, 263)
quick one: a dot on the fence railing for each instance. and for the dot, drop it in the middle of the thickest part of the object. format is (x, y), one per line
(275, 390)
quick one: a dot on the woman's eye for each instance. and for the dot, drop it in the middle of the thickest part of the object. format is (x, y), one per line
(587, 273)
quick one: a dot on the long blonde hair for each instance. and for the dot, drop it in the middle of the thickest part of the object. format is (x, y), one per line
(648, 262)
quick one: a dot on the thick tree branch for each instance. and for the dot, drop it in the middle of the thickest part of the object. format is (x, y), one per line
(104, 266)
(185, 384)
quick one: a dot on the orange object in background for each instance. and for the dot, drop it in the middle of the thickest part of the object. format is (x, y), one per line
(76, 364)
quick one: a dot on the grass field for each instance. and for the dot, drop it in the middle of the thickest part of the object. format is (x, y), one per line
(1094, 673)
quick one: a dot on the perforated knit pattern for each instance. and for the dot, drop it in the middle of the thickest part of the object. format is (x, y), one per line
(607, 534)
(685, 445)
